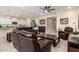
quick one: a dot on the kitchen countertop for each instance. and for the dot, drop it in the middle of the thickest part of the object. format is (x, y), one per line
(74, 39)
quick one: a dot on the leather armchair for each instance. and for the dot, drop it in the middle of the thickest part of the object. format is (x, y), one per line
(25, 41)
(65, 34)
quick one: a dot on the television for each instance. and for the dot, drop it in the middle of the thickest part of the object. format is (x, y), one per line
(14, 23)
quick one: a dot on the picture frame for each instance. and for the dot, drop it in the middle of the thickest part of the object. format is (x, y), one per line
(42, 21)
(64, 21)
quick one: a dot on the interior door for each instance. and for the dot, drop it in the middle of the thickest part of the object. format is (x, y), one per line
(51, 25)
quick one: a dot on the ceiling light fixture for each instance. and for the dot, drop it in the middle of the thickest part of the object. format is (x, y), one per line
(46, 11)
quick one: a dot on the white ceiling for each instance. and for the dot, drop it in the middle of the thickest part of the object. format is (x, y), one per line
(27, 10)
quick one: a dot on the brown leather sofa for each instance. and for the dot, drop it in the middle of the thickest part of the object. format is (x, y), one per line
(25, 41)
(65, 34)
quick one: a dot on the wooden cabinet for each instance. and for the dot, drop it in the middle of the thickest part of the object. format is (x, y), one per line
(73, 43)
(72, 49)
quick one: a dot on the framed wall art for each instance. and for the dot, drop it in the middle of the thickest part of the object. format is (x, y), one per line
(42, 21)
(64, 20)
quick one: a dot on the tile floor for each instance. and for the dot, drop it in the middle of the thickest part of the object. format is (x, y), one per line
(8, 47)
(61, 47)
(4, 45)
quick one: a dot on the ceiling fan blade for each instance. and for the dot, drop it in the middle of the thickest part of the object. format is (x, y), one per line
(48, 11)
(51, 9)
(42, 8)
(48, 7)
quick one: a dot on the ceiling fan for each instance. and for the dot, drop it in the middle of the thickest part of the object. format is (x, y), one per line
(47, 9)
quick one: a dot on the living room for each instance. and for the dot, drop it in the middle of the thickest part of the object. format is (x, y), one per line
(49, 19)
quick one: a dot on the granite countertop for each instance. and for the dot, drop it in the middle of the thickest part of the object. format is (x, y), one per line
(74, 39)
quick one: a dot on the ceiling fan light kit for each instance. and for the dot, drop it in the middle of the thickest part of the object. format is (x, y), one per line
(47, 9)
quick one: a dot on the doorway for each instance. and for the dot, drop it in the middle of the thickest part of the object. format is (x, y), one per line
(51, 25)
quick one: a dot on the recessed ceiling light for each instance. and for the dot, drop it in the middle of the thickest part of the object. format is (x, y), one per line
(69, 7)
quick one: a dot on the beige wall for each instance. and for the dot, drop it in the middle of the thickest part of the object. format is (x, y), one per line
(26, 22)
(72, 15)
